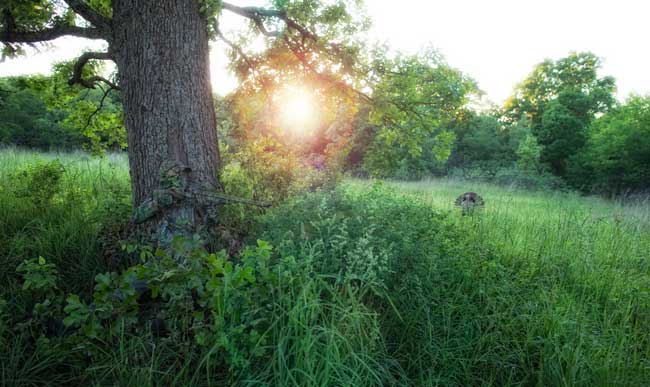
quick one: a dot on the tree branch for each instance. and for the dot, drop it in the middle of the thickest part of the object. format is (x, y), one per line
(95, 79)
(236, 48)
(258, 14)
(99, 108)
(47, 34)
(253, 11)
(81, 8)
(77, 73)
(323, 76)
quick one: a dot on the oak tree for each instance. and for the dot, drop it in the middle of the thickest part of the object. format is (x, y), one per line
(161, 51)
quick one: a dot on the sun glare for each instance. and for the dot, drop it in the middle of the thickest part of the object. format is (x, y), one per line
(298, 110)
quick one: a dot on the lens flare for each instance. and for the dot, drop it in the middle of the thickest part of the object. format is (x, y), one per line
(298, 110)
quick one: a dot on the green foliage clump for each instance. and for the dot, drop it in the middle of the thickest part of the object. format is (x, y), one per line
(415, 104)
(349, 229)
(528, 154)
(616, 157)
(261, 170)
(56, 206)
(267, 170)
(44, 112)
(27, 120)
(38, 275)
(186, 296)
(205, 298)
(379, 240)
(38, 182)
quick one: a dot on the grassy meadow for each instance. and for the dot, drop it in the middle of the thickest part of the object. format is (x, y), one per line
(581, 262)
(92, 192)
(371, 284)
(549, 224)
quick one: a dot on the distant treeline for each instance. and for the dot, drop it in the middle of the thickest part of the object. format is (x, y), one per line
(562, 127)
(43, 112)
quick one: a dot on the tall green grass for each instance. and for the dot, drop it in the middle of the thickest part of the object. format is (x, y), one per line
(551, 225)
(379, 284)
(94, 192)
(563, 285)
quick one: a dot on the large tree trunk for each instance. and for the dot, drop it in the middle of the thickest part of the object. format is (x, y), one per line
(161, 50)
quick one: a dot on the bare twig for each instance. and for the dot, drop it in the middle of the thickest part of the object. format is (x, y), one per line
(101, 104)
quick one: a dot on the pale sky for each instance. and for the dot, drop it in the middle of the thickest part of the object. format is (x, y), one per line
(497, 42)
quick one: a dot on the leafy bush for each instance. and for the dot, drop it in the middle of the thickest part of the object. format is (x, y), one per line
(205, 298)
(261, 170)
(269, 171)
(38, 182)
(38, 275)
(616, 158)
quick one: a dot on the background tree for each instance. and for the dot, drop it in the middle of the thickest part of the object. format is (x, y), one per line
(561, 134)
(43, 112)
(25, 119)
(616, 157)
(415, 102)
(577, 73)
(560, 99)
(483, 143)
(528, 155)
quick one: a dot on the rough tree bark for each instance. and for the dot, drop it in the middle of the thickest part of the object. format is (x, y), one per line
(162, 55)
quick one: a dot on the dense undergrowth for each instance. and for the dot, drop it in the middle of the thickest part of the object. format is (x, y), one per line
(362, 285)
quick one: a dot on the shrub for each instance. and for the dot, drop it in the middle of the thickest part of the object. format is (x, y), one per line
(269, 171)
(39, 276)
(38, 182)
(512, 177)
(528, 180)
(56, 209)
(239, 319)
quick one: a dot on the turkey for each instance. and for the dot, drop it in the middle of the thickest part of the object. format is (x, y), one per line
(469, 201)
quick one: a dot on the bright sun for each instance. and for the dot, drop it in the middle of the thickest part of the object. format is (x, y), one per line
(298, 111)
